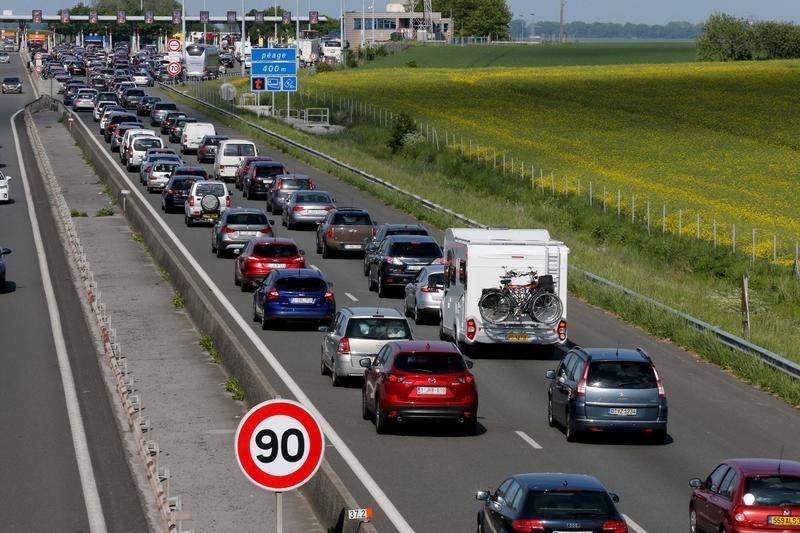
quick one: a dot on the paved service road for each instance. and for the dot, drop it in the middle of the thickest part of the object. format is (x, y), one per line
(430, 475)
(41, 488)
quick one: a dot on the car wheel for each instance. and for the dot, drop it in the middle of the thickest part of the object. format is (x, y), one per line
(442, 335)
(569, 429)
(365, 414)
(470, 427)
(326, 253)
(319, 248)
(323, 368)
(256, 318)
(693, 520)
(381, 289)
(659, 436)
(550, 420)
(264, 321)
(336, 380)
(380, 421)
(370, 284)
(187, 221)
(220, 252)
(236, 280)
(244, 192)
(366, 267)
(418, 316)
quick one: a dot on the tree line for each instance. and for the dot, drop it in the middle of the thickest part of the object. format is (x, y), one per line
(606, 30)
(728, 38)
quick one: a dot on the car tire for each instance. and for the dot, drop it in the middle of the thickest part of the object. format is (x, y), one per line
(220, 251)
(470, 427)
(236, 281)
(693, 521)
(187, 221)
(551, 421)
(256, 318)
(323, 368)
(380, 421)
(419, 318)
(569, 429)
(366, 267)
(659, 436)
(370, 284)
(442, 335)
(336, 380)
(365, 414)
(265, 323)
(244, 192)
(319, 248)
(326, 253)
(382, 291)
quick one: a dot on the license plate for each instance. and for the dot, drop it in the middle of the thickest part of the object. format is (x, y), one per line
(316, 212)
(517, 337)
(413, 268)
(302, 300)
(248, 233)
(439, 391)
(276, 265)
(784, 520)
(352, 246)
(212, 215)
(622, 411)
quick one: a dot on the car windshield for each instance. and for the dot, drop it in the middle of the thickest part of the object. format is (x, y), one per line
(430, 363)
(313, 198)
(250, 219)
(294, 185)
(773, 490)
(217, 189)
(416, 249)
(301, 284)
(621, 375)
(378, 328)
(567, 503)
(352, 219)
(275, 250)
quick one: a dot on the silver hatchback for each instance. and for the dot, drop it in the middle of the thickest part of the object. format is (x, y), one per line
(424, 295)
(236, 227)
(307, 207)
(358, 332)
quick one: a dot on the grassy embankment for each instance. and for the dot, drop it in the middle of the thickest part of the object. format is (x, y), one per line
(671, 133)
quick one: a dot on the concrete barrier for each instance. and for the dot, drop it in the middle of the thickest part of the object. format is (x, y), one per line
(325, 491)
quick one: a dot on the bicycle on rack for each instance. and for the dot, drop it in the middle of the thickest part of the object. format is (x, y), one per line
(535, 300)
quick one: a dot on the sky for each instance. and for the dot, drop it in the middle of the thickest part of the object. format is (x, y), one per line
(634, 11)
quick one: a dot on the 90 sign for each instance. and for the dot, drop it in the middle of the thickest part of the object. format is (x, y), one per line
(279, 445)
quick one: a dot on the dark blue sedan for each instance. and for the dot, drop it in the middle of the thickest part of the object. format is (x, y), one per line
(3, 251)
(293, 294)
(176, 191)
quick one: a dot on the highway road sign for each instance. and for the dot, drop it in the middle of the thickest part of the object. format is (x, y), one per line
(174, 68)
(257, 83)
(279, 445)
(174, 45)
(278, 65)
(37, 56)
(274, 83)
(39, 68)
(289, 83)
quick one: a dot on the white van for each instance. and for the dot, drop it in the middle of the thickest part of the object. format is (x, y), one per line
(504, 286)
(127, 137)
(229, 153)
(139, 146)
(193, 133)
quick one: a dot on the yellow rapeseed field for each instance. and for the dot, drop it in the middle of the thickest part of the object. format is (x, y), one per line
(719, 140)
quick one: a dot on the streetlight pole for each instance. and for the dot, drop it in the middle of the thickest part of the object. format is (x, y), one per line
(363, 23)
(372, 5)
(244, 40)
(533, 26)
(204, 24)
(341, 33)
(183, 23)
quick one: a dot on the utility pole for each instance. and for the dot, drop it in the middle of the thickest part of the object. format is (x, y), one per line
(561, 23)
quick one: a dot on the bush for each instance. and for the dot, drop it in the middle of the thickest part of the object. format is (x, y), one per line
(401, 126)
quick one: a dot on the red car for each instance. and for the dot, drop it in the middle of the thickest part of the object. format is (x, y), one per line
(411, 380)
(747, 496)
(262, 255)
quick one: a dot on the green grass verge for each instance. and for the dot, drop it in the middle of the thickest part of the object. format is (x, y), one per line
(208, 346)
(234, 387)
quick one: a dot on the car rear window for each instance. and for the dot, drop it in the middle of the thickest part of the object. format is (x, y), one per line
(183, 184)
(146, 142)
(294, 185)
(314, 198)
(774, 490)
(621, 375)
(164, 167)
(250, 219)
(567, 503)
(263, 171)
(436, 280)
(378, 328)
(275, 250)
(416, 249)
(165, 106)
(134, 92)
(243, 150)
(430, 363)
(419, 231)
(217, 189)
(354, 219)
(301, 284)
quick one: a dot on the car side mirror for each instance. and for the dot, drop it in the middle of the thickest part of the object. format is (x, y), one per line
(365, 362)
(695, 482)
(470, 364)
(323, 329)
(9, 178)
(5, 251)
(614, 497)
(271, 222)
(482, 495)
(550, 374)
(302, 252)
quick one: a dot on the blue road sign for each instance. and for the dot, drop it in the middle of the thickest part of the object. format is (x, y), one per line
(277, 68)
(273, 83)
(279, 65)
(290, 83)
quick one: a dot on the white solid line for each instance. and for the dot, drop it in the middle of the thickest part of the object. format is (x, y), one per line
(91, 498)
(526, 438)
(633, 525)
(390, 511)
(351, 296)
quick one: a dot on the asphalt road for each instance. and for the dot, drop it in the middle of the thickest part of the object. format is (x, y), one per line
(431, 474)
(41, 489)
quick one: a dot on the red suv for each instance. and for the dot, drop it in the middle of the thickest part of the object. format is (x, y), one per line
(262, 255)
(747, 496)
(410, 380)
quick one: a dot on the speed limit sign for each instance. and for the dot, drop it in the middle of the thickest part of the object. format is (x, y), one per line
(174, 68)
(279, 445)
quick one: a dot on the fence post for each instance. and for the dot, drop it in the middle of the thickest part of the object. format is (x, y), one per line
(619, 203)
(504, 164)
(578, 191)
(604, 198)
(698, 226)
(648, 217)
(715, 233)
(733, 232)
(533, 177)
(753, 260)
(553, 182)
(633, 209)
(541, 178)
(796, 259)
(680, 222)
(494, 161)
(663, 219)
(774, 249)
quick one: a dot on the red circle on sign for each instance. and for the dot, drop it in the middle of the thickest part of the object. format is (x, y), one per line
(174, 45)
(174, 68)
(39, 68)
(244, 435)
(38, 56)
(313, 56)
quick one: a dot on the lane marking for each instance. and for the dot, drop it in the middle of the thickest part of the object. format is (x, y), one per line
(351, 296)
(633, 525)
(381, 499)
(91, 497)
(524, 436)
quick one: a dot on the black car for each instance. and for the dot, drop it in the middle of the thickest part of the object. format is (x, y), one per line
(207, 151)
(399, 259)
(131, 98)
(176, 191)
(260, 177)
(372, 244)
(169, 120)
(146, 104)
(550, 502)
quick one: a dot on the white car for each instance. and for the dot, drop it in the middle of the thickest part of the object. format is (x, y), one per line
(207, 200)
(84, 99)
(138, 148)
(5, 191)
(4, 57)
(100, 106)
(159, 174)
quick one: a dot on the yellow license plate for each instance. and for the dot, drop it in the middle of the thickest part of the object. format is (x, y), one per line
(517, 337)
(212, 215)
(784, 520)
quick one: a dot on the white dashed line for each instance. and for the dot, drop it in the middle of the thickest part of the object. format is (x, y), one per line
(529, 440)
(633, 525)
(351, 296)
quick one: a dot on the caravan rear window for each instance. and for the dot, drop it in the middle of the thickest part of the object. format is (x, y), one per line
(241, 150)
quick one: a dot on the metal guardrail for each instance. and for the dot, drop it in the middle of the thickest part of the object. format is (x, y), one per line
(732, 341)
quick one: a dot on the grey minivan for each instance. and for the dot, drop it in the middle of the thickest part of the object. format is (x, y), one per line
(607, 389)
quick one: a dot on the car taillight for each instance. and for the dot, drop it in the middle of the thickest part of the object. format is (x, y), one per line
(661, 393)
(562, 330)
(429, 289)
(394, 378)
(580, 388)
(328, 207)
(471, 329)
(298, 208)
(265, 230)
(228, 229)
(172, 192)
(739, 517)
(273, 294)
(328, 296)
(615, 526)
(191, 201)
(329, 233)
(466, 379)
(185, 138)
(527, 525)
(374, 230)
(227, 201)
(221, 168)
(344, 345)
(438, 261)
(299, 262)
(393, 260)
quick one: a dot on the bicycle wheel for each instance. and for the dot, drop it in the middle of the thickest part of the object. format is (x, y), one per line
(495, 306)
(545, 307)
